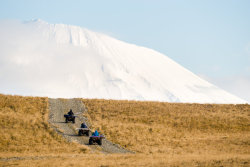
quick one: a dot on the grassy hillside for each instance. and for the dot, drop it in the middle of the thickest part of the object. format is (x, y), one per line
(25, 129)
(161, 134)
(168, 128)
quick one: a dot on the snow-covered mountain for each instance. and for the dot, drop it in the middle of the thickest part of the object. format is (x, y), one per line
(56, 60)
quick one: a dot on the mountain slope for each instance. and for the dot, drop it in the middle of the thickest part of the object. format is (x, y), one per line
(59, 60)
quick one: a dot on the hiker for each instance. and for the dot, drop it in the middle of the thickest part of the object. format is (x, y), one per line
(83, 125)
(70, 112)
(95, 133)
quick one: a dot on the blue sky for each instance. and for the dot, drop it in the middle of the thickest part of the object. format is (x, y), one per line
(209, 37)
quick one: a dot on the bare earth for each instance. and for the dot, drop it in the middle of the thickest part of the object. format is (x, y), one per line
(59, 107)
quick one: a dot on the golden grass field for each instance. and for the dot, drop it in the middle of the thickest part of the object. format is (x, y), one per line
(25, 129)
(161, 134)
(171, 128)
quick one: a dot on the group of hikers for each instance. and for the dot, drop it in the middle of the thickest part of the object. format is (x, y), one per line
(83, 125)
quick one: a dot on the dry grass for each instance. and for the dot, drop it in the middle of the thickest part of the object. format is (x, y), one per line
(154, 127)
(25, 128)
(162, 134)
(141, 160)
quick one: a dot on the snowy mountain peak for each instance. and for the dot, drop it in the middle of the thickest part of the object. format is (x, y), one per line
(58, 60)
(35, 21)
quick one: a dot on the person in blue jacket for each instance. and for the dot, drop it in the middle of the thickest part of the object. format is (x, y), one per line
(95, 133)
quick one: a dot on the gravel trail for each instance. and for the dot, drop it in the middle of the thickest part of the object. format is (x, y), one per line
(59, 107)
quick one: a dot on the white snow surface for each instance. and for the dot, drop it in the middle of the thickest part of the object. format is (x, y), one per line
(57, 60)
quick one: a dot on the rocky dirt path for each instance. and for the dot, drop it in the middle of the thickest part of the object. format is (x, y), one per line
(59, 107)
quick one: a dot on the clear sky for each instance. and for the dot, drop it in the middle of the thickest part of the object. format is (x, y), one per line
(209, 37)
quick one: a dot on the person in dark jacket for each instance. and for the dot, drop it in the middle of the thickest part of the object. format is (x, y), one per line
(70, 112)
(83, 125)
